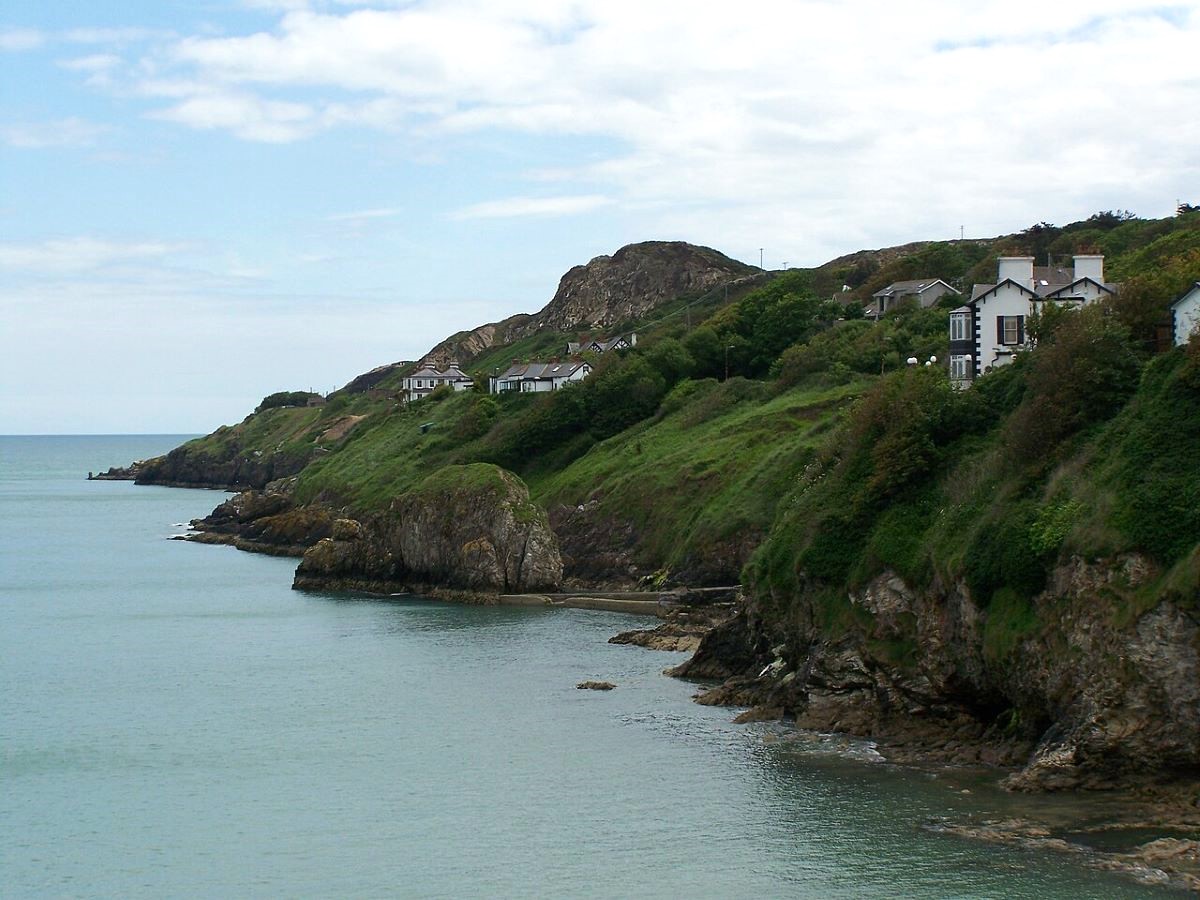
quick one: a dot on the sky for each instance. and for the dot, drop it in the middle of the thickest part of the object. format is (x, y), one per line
(205, 202)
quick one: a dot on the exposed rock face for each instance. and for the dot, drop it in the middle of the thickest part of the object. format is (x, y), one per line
(605, 292)
(1082, 700)
(599, 548)
(470, 527)
(265, 521)
(232, 468)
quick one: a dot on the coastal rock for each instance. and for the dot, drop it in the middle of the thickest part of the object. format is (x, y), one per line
(266, 521)
(469, 527)
(226, 465)
(595, 686)
(1083, 699)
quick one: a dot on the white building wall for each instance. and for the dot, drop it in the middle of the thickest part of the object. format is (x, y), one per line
(1006, 301)
(1187, 316)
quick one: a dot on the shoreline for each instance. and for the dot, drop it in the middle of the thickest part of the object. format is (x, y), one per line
(1171, 860)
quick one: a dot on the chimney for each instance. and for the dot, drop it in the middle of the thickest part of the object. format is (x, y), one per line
(1090, 266)
(554, 360)
(1016, 268)
(633, 339)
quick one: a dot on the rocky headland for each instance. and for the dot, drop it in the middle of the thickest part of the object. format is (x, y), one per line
(956, 577)
(470, 528)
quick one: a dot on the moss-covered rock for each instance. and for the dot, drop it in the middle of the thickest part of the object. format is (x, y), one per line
(471, 527)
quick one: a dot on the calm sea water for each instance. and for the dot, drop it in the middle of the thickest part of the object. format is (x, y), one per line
(176, 722)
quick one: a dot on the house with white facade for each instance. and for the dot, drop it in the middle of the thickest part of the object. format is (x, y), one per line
(990, 328)
(1185, 315)
(924, 291)
(540, 377)
(602, 345)
(426, 379)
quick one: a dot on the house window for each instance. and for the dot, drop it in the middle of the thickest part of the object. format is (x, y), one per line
(1011, 330)
(960, 367)
(958, 327)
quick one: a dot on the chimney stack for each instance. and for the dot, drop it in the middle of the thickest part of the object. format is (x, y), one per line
(1016, 268)
(1090, 266)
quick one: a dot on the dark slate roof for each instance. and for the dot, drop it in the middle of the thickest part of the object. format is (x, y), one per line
(982, 290)
(538, 370)
(1110, 288)
(1195, 287)
(915, 286)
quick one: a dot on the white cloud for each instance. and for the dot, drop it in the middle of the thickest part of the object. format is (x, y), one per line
(514, 207)
(70, 132)
(15, 40)
(777, 117)
(382, 213)
(80, 254)
(97, 62)
(246, 115)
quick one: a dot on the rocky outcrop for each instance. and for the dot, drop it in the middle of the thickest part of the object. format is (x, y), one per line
(266, 521)
(469, 527)
(605, 292)
(600, 548)
(227, 467)
(1087, 695)
(118, 473)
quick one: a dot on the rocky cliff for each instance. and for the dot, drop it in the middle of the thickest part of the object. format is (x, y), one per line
(468, 527)
(605, 292)
(1088, 698)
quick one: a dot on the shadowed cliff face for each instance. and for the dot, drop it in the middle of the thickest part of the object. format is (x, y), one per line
(469, 527)
(605, 292)
(1084, 700)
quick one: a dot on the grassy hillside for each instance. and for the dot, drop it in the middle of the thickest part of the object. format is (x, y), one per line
(729, 404)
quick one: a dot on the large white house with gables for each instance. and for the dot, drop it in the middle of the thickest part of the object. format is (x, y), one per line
(540, 377)
(1185, 315)
(426, 379)
(990, 328)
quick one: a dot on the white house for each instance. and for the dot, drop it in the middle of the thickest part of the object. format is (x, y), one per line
(926, 292)
(601, 345)
(540, 377)
(990, 328)
(1185, 315)
(426, 379)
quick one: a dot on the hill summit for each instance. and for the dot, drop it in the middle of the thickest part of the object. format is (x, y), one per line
(603, 293)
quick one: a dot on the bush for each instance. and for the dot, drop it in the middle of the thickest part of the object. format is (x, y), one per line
(285, 398)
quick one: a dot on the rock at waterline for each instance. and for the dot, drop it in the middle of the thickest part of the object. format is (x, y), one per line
(595, 686)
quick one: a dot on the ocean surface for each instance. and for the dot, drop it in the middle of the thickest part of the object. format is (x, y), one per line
(176, 722)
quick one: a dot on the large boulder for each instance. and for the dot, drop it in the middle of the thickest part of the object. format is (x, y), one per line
(469, 527)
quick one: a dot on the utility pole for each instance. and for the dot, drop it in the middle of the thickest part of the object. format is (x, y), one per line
(760, 265)
(960, 231)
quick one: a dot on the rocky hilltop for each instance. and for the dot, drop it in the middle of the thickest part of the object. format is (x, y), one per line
(605, 292)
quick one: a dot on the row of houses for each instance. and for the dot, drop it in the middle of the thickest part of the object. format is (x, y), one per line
(521, 377)
(990, 327)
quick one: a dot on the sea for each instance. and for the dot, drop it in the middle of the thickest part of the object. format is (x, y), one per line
(175, 721)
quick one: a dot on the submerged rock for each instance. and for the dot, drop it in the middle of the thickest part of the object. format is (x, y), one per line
(595, 686)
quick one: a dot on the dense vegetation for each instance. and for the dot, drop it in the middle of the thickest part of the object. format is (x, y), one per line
(780, 417)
